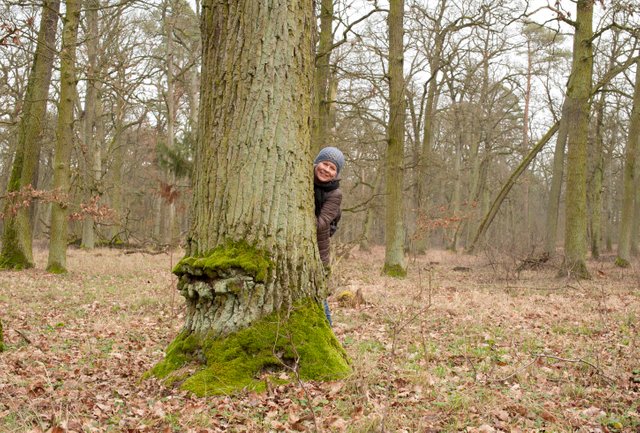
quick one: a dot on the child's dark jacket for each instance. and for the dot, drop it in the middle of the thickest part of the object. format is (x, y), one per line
(328, 199)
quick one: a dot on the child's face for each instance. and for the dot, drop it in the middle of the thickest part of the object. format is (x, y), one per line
(326, 171)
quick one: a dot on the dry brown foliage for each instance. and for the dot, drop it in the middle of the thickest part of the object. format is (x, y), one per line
(479, 351)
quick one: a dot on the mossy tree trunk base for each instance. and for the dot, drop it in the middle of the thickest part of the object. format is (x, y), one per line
(14, 255)
(622, 263)
(298, 341)
(396, 271)
(577, 270)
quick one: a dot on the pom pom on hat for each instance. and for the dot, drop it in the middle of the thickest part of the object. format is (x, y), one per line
(331, 154)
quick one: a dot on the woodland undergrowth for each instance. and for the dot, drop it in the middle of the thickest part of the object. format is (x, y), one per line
(464, 343)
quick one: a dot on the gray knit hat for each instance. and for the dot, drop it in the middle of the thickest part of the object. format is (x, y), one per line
(331, 154)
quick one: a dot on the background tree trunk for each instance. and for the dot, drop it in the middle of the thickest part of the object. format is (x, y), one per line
(394, 263)
(596, 163)
(578, 93)
(629, 193)
(91, 160)
(57, 261)
(321, 103)
(557, 174)
(16, 239)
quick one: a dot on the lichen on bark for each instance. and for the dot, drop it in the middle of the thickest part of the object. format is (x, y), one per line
(297, 340)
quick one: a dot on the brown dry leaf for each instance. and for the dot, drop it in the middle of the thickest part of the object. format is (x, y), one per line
(335, 388)
(299, 426)
(293, 417)
(338, 423)
(502, 415)
(548, 416)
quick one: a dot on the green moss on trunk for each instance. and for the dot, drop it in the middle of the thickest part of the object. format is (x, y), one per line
(396, 271)
(238, 255)
(622, 263)
(1, 338)
(13, 256)
(301, 339)
(56, 268)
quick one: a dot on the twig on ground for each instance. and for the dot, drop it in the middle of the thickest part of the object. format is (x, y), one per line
(579, 361)
(557, 358)
(24, 337)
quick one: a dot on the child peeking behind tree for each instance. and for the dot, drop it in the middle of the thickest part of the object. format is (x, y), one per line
(328, 197)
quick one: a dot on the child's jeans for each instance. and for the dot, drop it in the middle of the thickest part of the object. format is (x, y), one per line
(327, 312)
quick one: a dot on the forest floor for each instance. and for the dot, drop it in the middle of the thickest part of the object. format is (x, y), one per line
(464, 343)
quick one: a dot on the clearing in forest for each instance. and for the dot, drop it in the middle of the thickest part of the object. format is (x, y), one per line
(462, 344)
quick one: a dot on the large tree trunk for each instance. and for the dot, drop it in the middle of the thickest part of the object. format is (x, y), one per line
(57, 262)
(394, 263)
(578, 93)
(16, 240)
(629, 193)
(252, 275)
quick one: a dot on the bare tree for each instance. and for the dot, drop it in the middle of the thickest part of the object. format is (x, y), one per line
(394, 263)
(17, 236)
(57, 262)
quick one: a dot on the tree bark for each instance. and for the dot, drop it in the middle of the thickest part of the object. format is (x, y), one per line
(394, 262)
(252, 264)
(16, 240)
(629, 183)
(578, 94)
(57, 262)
